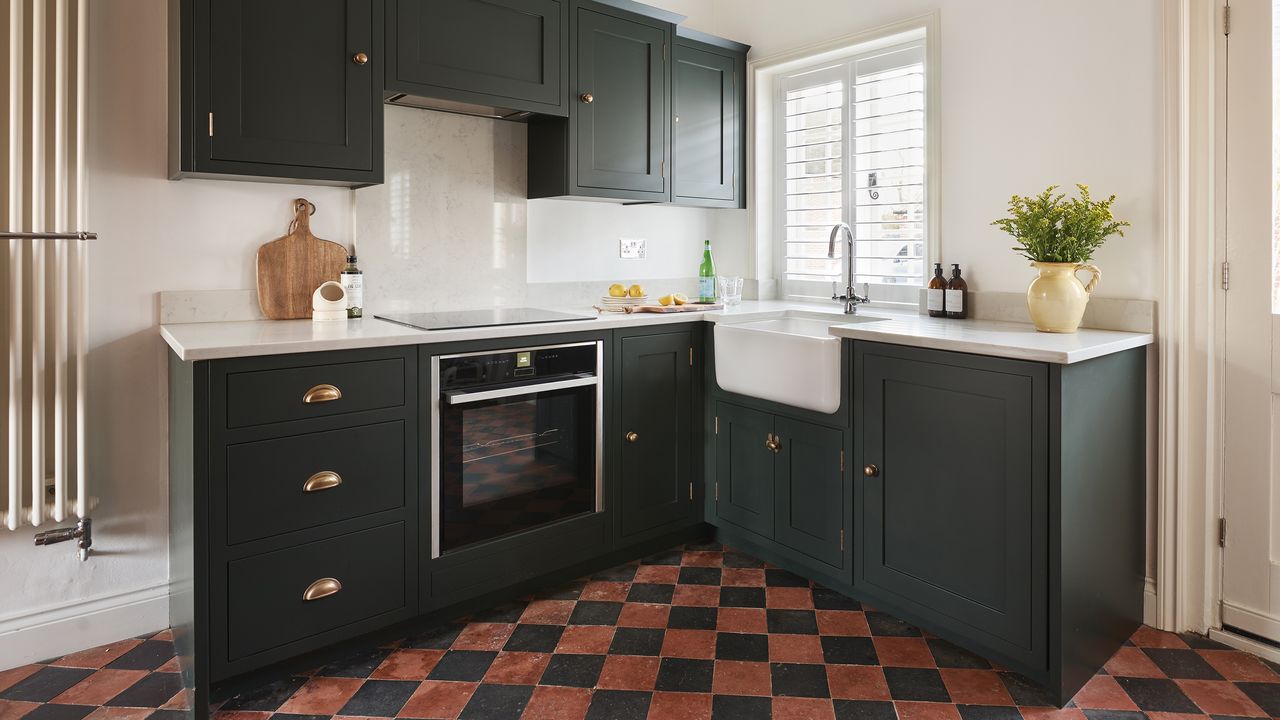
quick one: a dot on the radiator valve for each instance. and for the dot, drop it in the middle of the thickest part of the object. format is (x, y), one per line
(82, 533)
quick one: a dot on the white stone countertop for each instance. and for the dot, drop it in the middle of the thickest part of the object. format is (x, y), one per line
(214, 340)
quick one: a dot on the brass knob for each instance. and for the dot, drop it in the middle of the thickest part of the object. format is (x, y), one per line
(871, 471)
(322, 588)
(632, 437)
(323, 480)
(772, 444)
(360, 58)
(587, 98)
(322, 394)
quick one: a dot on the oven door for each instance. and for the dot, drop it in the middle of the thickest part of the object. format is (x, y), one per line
(511, 459)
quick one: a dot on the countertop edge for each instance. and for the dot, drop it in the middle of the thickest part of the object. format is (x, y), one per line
(994, 349)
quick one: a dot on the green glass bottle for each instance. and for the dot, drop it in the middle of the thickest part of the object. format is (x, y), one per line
(707, 276)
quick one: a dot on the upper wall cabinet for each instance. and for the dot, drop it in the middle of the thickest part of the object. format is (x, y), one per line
(708, 121)
(495, 58)
(287, 89)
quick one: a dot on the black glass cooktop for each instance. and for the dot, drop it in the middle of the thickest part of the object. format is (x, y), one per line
(480, 318)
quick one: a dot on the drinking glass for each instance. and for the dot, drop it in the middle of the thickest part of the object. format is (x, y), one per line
(730, 289)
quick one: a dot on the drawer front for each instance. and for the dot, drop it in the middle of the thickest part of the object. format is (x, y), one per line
(286, 484)
(270, 396)
(267, 605)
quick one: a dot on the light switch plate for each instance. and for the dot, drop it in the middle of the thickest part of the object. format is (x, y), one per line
(631, 248)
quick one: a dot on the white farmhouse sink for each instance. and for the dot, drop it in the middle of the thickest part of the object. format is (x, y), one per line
(789, 360)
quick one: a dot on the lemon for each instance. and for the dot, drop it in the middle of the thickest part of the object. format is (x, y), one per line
(636, 291)
(679, 298)
(666, 300)
(617, 290)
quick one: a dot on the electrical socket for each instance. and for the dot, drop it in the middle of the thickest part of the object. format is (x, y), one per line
(631, 248)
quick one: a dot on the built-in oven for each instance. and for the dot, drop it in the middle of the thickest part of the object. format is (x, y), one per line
(517, 441)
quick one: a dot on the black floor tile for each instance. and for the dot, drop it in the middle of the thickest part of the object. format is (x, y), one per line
(595, 612)
(267, 698)
(792, 622)
(59, 712)
(534, 638)
(734, 559)
(669, 557)
(1157, 695)
(1114, 715)
(988, 712)
(1201, 642)
(573, 670)
(619, 705)
(45, 684)
(947, 655)
(637, 641)
(278, 716)
(704, 546)
(849, 651)
(742, 646)
(507, 613)
(360, 664)
(568, 591)
(865, 710)
(621, 573)
(699, 575)
(684, 675)
(147, 655)
(738, 707)
(1265, 695)
(889, 626)
(379, 698)
(186, 715)
(463, 665)
(651, 593)
(799, 680)
(828, 599)
(693, 618)
(156, 689)
(777, 577)
(916, 684)
(436, 638)
(1024, 692)
(497, 702)
(1182, 664)
(746, 597)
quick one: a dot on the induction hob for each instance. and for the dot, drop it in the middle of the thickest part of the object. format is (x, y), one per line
(460, 319)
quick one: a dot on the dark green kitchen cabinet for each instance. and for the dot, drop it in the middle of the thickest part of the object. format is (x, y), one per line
(708, 123)
(496, 58)
(809, 490)
(744, 468)
(657, 430)
(287, 89)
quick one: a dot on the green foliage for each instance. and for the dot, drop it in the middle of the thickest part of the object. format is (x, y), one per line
(1050, 228)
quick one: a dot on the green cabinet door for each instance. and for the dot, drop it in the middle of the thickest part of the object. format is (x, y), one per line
(744, 468)
(954, 509)
(657, 430)
(809, 490)
(705, 138)
(619, 104)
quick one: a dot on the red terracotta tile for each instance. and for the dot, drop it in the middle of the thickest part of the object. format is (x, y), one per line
(644, 615)
(443, 700)
(628, 672)
(1132, 662)
(703, 558)
(797, 708)
(792, 598)
(904, 652)
(124, 713)
(699, 595)
(1102, 692)
(742, 577)
(321, 696)
(1048, 713)
(975, 687)
(857, 682)
(408, 664)
(695, 644)
(99, 656)
(99, 687)
(926, 711)
(557, 703)
(181, 701)
(166, 634)
(547, 612)
(586, 640)
(680, 706)
(171, 665)
(843, 622)
(658, 574)
(483, 636)
(9, 678)
(1219, 697)
(517, 668)
(603, 590)
(742, 620)
(1231, 664)
(733, 677)
(795, 648)
(13, 709)
(1173, 716)
(1146, 636)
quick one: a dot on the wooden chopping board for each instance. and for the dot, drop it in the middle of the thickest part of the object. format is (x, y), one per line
(290, 268)
(690, 307)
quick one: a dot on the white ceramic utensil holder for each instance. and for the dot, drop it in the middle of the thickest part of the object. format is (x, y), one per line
(329, 302)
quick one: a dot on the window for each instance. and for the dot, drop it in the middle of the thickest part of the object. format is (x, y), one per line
(851, 147)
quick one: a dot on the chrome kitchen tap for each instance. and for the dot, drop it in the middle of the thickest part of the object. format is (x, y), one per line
(850, 298)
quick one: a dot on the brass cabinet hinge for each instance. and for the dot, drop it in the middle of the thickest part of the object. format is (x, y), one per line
(663, 168)
(1226, 20)
(690, 491)
(210, 124)
(841, 539)
(664, 51)
(717, 492)
(690, 356)
(1222, 532)
(1226, 275)
(717, 424)
(841, 461)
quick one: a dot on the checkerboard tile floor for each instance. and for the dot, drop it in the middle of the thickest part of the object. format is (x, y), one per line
(694, 632)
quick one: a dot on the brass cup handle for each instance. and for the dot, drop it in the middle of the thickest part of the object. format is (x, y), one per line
(632, 436)
(322, 394)
(871, 471)
(322, 588)
(322, 480)
(360, 58)
(587, 98)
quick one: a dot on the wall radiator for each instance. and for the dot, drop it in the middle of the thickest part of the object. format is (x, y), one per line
(43, 255)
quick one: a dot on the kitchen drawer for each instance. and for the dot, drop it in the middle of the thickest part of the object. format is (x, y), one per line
(270, 396)
(286, 484)
(266, 607)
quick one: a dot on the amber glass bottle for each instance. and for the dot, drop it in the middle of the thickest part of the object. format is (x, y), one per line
(937, 293)
(957, 295)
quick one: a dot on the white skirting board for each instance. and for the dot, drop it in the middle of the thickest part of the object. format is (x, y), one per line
(51, 632)
(1150, 604)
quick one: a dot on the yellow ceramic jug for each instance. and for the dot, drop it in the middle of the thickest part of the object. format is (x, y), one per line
(1057, 298)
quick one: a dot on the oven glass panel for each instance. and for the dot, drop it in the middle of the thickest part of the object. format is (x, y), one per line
(515, 463)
